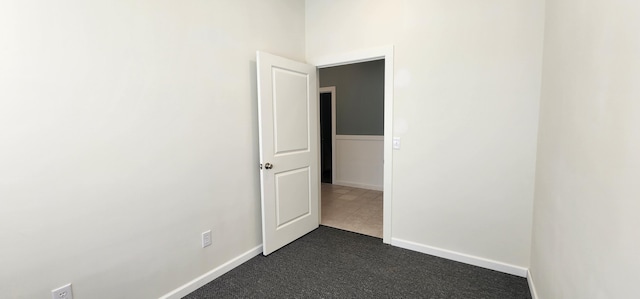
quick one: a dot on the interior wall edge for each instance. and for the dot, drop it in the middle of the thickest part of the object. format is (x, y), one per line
(532, 287)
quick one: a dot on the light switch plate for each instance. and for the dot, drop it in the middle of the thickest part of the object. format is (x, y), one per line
(206, 239)
(396, 142)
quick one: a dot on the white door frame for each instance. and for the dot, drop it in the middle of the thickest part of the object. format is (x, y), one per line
(365, 55)
(332, 91)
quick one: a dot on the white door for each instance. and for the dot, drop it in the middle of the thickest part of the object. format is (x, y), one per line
(288, 120)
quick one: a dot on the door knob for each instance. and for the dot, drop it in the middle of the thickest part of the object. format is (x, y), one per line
(268, 165)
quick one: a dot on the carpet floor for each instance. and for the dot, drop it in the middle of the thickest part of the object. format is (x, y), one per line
(332, 263)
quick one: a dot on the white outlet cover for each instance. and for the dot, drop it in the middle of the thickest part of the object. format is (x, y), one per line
(63, 292)
(206, 239)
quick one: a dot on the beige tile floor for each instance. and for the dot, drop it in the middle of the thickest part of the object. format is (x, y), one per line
(353, 209)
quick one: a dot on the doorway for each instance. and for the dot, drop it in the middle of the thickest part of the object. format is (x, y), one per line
(300, 78)
(327, 133)
(351, 164)
(386, 53)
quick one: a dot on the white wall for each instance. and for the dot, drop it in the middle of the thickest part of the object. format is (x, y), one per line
(586, 242)
(359, 161)
(467, 83)
(126, 129)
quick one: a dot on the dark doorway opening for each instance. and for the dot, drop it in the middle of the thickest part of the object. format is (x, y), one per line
(325, 138)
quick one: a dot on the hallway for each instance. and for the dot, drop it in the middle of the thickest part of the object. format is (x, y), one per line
(352, 209)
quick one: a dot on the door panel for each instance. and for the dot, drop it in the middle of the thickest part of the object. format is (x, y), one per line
(291, 186)
(288, 112)
(291, 113)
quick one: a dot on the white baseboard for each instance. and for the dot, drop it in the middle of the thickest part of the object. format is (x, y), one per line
(213, 274)
(461, 257)
(443, 253)
(532, 287)
(358, 185)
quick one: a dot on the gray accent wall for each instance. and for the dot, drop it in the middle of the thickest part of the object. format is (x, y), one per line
(359, 97)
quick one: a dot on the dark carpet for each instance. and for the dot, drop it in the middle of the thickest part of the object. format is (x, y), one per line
(332, 263)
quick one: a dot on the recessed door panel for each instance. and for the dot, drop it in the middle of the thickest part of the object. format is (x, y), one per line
(291, 111)
(292, 196)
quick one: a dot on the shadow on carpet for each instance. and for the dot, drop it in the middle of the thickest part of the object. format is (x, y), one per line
(332, 263)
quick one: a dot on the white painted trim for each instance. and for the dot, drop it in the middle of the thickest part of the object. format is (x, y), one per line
(359, 161)
(386, 53)
(352, 57)
(532, 287)
(360, 137)
(213, 274)
(332, 91)
(358, 185)
(461, 257)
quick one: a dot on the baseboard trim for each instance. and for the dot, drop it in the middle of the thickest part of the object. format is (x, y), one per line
(532, 287)
(213, 274)
(357, 185)
(461, 257)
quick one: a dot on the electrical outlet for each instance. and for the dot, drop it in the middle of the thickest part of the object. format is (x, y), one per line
(63, 292)
(206, 238)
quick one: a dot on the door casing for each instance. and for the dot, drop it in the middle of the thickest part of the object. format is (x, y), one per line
(365, 55)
